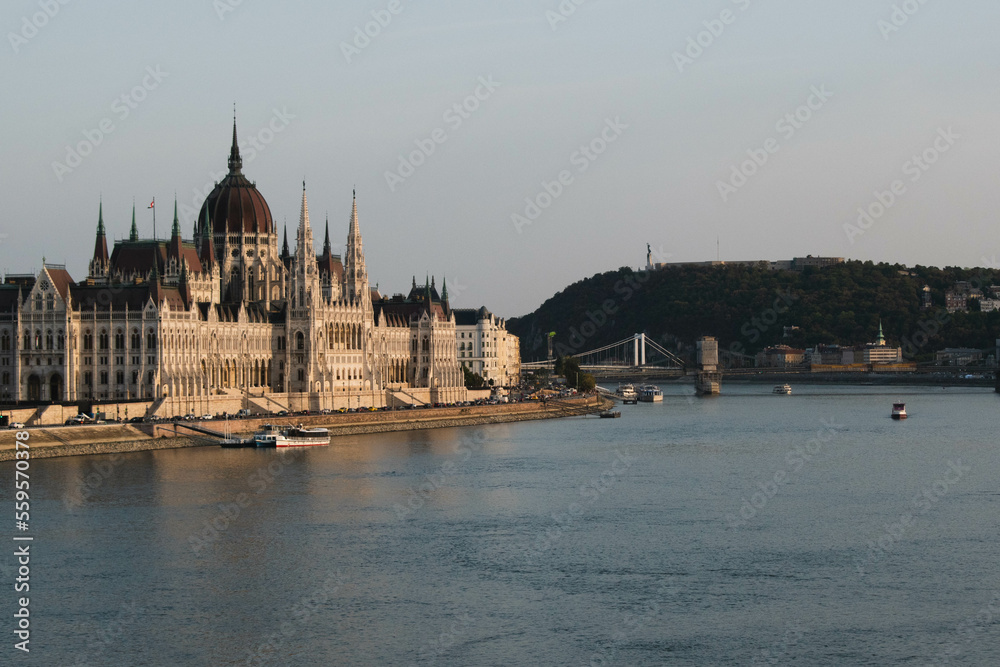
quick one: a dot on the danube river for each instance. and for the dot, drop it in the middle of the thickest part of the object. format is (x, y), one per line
(750, 528)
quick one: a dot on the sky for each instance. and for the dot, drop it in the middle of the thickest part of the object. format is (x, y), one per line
(512, 147)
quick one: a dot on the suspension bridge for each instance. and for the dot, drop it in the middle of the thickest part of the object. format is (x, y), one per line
(635, 353)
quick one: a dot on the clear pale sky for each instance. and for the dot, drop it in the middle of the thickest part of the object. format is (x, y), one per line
(682, 126)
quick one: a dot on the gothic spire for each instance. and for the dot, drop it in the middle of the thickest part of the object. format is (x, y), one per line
(284, 246)
(133, 234)
(327, 248)
(176, 229)
(235, 161)
(207, 249)
(444, 289)
(99, 264)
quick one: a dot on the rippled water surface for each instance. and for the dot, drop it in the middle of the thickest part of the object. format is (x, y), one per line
(746, 529)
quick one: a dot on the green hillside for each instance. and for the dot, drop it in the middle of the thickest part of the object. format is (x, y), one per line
(747, 308)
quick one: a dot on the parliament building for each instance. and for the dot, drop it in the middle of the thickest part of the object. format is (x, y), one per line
(230, 318)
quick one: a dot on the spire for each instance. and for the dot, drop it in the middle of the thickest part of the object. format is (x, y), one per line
(284, 246)
(176, 229)
(207, 249)
(881, 336)
(355, 274)
(414, 282)
(235, 161)
(100, 218)
(133, 234)
(327, 248)
(444, 289)
(99, 264)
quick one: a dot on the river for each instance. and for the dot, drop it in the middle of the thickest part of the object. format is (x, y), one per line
(749, 528)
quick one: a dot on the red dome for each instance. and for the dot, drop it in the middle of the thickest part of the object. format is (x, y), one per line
(235, 206)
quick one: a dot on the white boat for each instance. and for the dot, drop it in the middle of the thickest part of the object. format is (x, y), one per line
(899, 411)
(271, 435)
(627, 393)
(783, 389)
(649, 393)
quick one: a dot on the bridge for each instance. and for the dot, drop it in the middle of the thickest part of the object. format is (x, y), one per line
(635, 353)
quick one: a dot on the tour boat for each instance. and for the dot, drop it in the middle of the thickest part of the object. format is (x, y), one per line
(649, 393)
(609, 414)
(626, 392)
(783, 389)
(288, 436)
(899, 410)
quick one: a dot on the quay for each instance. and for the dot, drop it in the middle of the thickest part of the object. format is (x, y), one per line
(112, 438)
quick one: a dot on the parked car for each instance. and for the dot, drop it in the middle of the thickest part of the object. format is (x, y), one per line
(15, 425)
(206, 418)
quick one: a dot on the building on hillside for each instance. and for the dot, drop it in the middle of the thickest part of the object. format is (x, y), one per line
(989, 305)
(487, 348)
(825, 355)
(796, 264)
(958, 356)
(957, 298)
(230, 315)
(879, 352)
(780, 356)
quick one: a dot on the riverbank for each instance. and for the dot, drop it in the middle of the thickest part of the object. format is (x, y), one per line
(83, 440)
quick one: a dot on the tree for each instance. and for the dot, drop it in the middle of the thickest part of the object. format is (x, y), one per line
(587, 382)
(472, 380)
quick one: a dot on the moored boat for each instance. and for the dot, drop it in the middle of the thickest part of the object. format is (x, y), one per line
(610, 414)
(271, 435)
(783, 389)
(899, 411)
(650, 393)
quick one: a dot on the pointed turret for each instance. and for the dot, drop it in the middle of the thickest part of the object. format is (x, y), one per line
(305, 274)
(174, 247)
(133, 234)
(235, 161)
(881, 337)
(207, 254)
(355, 273)
(99, 263)
(285, 253)
(327, 248)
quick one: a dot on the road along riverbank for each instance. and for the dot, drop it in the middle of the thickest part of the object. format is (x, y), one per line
(106, 439)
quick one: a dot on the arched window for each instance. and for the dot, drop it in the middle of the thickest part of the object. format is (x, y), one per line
(102, 340)
(50, 302)
(151, 339)
(136, 340)
(88, 340)
(38, 339)
(300, 341)
(38, 302)
(5, 341)
(48, 339)
(119, 340)
(27, 339)
(60, 340)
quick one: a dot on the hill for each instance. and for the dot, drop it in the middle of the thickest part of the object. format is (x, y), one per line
(747, 308)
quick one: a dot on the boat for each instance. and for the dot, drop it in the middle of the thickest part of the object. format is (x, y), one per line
(899, 410)
(649, 393)
(271, 435)
(610, 414)
(627, 393)
(783, 389)
(232, 442)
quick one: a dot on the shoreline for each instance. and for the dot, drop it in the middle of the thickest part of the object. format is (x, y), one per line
(121, 438)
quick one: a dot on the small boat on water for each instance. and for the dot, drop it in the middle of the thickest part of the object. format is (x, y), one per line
(271, 435)
(650, 393)
(627, 393)
(785, 389)
(232, 442)
(899, 410)
(610, 414)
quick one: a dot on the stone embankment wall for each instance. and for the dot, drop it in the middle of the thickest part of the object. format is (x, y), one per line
(77, 440)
